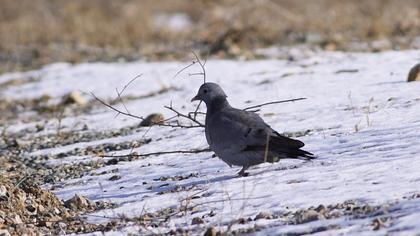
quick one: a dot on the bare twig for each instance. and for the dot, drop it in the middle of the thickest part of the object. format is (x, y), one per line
(185, 116)
(275, 102)
(186, 67)
(161, 153)
(192, 116)
(196, 110)
(266, 147)
(59, 117)
(162, 123)
(116, 109)
(203, 73)
(201, 65)
(122, 91)
(21, 181)
(179, 125)
(198, 113)
(131, 81)
(198, 73)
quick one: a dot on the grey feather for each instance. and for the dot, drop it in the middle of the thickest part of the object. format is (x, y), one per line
(242, 138)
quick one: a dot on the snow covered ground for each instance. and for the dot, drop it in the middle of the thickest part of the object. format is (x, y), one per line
(361, 118)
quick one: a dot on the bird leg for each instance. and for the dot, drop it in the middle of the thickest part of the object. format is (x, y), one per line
(242, 172)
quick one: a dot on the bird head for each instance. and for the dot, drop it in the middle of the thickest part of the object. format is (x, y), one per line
(208, 92)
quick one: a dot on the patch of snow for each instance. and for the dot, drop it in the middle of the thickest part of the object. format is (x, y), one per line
(363, 118)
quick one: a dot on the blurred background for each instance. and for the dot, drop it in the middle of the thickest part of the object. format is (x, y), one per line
(38, 32)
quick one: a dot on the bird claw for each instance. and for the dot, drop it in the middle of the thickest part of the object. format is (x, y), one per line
(243, 173)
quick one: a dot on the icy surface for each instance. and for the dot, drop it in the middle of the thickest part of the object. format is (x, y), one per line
(362, 116)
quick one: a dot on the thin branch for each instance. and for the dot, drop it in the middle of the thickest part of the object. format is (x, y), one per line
(196, 110)
(178, 125)
(161, 153)
(186, 67)
(170, 118)
(131, 81)
(162, 123)
(207, 56)
(121, 100)
(143, 136)
(185, 116)
(275, 102)
(122, 91)
(198, 113)
(115, 109)
(266, 147)
(21, 181)
(201, 65)
(193, 74)
(203, 73)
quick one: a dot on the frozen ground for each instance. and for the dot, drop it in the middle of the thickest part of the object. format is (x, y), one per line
(361, 118)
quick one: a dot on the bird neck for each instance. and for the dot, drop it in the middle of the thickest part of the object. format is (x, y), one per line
(217, 104)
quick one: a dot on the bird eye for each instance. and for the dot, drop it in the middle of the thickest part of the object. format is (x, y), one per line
(205, 91)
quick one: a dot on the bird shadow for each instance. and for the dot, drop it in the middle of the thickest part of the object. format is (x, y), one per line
(165, 188)
(389, 83)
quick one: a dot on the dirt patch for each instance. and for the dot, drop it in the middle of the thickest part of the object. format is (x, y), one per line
(25, 208)
(131, 30)
(380, 215)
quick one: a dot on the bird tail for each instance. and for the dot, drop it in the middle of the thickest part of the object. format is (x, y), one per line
(291, 148)
(301, 154)
(276, 155)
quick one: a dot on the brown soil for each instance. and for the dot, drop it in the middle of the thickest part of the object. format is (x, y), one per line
(37, 32)
(25, 208)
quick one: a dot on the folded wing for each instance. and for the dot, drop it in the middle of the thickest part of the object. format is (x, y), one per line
(249, 132)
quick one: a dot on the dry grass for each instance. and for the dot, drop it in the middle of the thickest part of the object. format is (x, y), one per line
(36, 32)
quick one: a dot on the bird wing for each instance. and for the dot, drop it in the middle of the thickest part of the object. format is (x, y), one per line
(239, 130)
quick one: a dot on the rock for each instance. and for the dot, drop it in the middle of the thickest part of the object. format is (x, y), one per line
(31, 209)
(314, 38)
(152, 119)
(2, 218)
(378, 223)
(52, 221)
(4, 232)
(264, 215)
(212, 231)
(197, 221)
(330, 47)
(74, 98)
(3, 191)
(16, 219)
(414, 74)
(114, 177)
(45, 97)
(321, 209)
(234, 49)
(41, 208)
(308, 216)
(39, 127)
(335, 214)
(381, 45)
(79, 203)
(112, 162)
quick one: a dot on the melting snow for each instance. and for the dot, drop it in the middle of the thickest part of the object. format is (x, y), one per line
(362, 116)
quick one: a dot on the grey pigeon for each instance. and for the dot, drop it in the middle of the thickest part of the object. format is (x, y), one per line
(242, 138)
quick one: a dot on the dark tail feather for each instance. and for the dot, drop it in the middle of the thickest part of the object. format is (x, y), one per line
(280, 152)
(300, 154)
(294, 154)
(290, 147)
(307, 155)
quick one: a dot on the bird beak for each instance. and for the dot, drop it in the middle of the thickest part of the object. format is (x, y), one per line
(196, 98)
